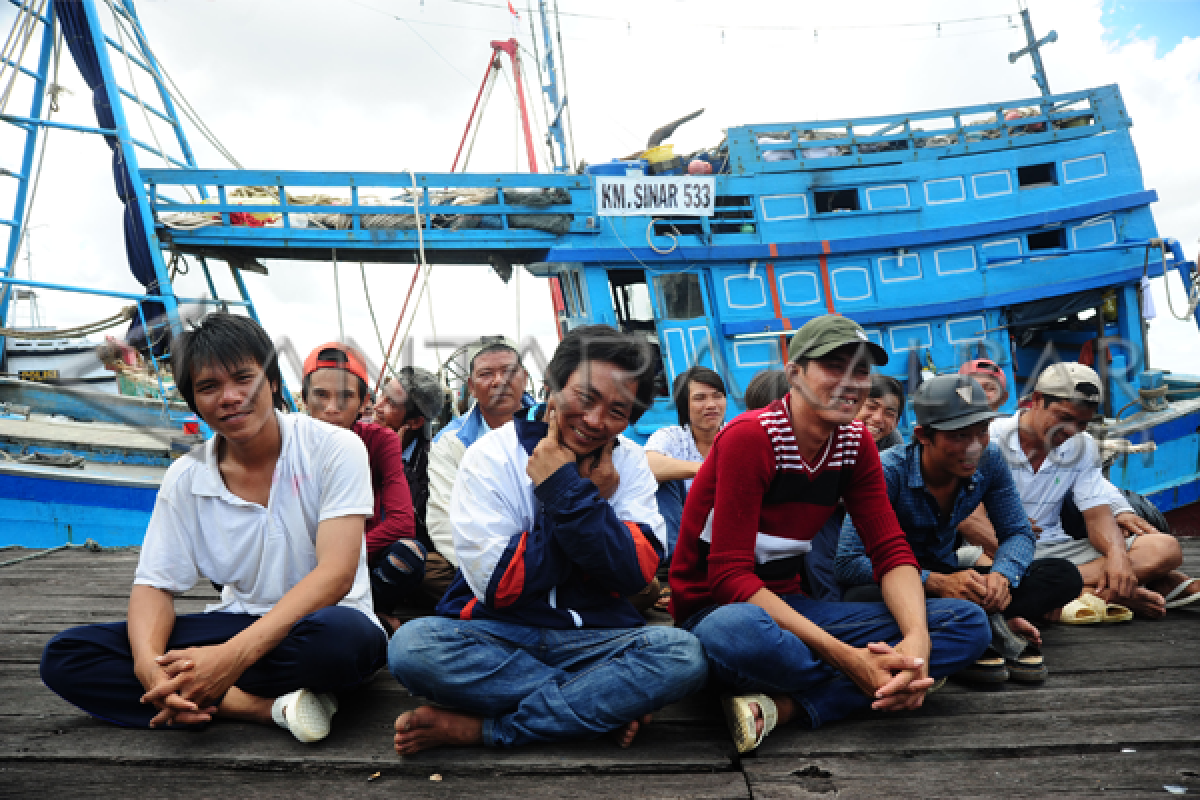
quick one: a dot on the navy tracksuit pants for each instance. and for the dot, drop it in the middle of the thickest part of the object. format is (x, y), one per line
(330, 650)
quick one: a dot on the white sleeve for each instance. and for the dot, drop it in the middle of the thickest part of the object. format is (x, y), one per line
(1116, 501)
(482, 510)
(634, 500)
(660, 441)
(345, 472)
(168, 559)
(444, 458)
(1091, 488)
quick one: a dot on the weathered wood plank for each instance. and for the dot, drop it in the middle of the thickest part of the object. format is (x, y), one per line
(26, 780)
(1108, 774)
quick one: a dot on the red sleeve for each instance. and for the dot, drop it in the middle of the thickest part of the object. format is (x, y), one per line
(393, 517)
(867, 502)
(744, 465)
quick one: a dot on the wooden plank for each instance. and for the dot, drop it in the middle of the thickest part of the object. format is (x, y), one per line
(89, 780)
(1107, 774)
(998, 734)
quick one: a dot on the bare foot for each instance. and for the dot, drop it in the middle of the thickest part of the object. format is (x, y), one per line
(433, 727)
(1145, 602)
(1053, 616)
(785, 707)
(625, 735)
(1023, 627)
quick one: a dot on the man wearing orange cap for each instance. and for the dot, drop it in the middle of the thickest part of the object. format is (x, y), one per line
(335, 391)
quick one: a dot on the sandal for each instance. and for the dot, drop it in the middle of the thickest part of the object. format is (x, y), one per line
(1176, 597)
(1029, 667)
(1079, 612)
(739, 715)
(1106, 612)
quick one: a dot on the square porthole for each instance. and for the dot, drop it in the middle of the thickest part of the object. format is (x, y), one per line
(1053, 239)
(1036, 176)
(836, 200)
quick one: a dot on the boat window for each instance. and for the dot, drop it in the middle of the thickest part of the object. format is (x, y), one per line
(564, 291)
(631, 300)
(836, 200)
(1036, 176)
(680, 295)
(1048, 240)
(578, 292)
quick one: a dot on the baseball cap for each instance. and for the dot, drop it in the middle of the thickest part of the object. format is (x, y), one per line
(1071, 380)
(353, 363)
(951, 402)
(822, 335)
(423, 388)
(987, 368)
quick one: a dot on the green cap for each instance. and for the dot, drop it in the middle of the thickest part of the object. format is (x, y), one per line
(821, 336)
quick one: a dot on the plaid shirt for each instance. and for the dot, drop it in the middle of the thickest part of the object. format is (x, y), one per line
(934, 539)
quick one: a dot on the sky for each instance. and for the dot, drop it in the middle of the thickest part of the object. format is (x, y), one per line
(386, 85)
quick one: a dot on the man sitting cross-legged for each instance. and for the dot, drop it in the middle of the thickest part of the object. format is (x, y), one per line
(555, 524)
(272, 508)
(933, 484)
(771, 480)
(1050, 454)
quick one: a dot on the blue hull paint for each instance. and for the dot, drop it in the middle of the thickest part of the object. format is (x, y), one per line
(45, 512)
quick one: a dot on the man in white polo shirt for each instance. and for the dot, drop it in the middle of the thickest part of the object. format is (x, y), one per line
(272, 508)
(1050, 454)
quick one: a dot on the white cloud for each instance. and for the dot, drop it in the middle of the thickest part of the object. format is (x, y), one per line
(308, 85)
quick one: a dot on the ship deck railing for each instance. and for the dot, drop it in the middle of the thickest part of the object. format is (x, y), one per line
(926, 135)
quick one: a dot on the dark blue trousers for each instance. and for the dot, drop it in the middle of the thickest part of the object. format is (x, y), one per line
(330, 650)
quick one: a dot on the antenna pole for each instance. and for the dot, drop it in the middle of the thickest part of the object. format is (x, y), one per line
(1033, 48)
(551, 90)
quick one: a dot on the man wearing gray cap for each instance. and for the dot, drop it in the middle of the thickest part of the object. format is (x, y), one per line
(1050, 454)
(949, 470)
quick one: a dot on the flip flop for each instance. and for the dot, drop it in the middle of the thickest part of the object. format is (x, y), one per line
(1079, 612)
(740, 718)
(1029, 667)
(1176, 597)
(1107, 612)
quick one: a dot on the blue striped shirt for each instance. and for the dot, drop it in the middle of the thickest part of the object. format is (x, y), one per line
(934, 539)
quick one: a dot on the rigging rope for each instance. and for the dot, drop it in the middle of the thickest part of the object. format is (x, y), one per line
(121, 317)
(1193, 298)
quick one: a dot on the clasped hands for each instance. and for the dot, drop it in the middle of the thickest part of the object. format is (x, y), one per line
(992, 591)
(186, 685)
(897, 678)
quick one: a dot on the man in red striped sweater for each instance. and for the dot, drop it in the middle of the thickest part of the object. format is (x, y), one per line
(771, 480)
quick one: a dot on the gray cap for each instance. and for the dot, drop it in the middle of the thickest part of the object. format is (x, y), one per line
(951, 402)
(423, 388)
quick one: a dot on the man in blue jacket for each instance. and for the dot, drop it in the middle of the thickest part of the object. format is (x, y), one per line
(555, 525)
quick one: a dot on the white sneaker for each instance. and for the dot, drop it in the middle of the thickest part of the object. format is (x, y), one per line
(306, 714)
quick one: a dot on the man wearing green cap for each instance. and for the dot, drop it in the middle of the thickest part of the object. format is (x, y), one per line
(950, 469)
(771, 480)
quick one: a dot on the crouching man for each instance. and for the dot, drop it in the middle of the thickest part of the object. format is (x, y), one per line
(555, 524)
(272, 508)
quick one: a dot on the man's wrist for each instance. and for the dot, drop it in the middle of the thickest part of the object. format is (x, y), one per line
(934, 584)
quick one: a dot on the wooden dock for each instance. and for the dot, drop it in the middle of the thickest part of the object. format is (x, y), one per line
(1119, 716)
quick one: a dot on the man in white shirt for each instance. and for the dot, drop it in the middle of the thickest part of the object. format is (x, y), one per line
(272, 508)
(1050, 454)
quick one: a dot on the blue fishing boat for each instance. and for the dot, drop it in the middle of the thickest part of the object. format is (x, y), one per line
(1020, 231)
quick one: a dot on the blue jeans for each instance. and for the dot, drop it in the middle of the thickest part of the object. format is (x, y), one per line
(748, 652)
(537, 684)
(671, 496)
(333, 649)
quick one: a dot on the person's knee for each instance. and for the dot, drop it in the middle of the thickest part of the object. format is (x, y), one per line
(52, 669)
(414, 657)
(685, 654)
(340, 644)
(1167, 551)
(964, 620)
(738, 633)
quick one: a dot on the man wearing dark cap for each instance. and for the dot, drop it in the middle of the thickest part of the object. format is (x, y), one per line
(949, 470)
(771, 480)
(335, 391)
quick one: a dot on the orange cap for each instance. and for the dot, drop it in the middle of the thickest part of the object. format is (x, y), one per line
(353, 363)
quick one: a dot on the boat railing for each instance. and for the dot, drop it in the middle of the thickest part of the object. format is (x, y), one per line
(368, 206)
(926, 135)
